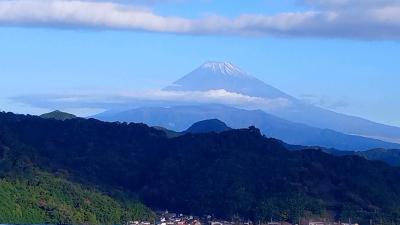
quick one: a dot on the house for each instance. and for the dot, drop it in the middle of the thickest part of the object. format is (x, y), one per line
(132, 223)
(138, 223)
(278, 223)
(215, 223)
(274, 223)
(170, 215)
(330, 223)
(195, 222)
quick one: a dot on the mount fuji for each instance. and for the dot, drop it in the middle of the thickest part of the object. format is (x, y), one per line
(224, 75)
(295, 122)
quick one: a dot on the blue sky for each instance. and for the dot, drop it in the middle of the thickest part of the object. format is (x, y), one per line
(343, 70)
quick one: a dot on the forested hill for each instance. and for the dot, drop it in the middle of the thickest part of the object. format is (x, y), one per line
(58, 115)
(42, 198)
(233, 173)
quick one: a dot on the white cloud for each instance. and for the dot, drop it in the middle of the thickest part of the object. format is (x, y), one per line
(357, 19)
(151, 97)
(360, 4)
(220, 96)
(70, 13)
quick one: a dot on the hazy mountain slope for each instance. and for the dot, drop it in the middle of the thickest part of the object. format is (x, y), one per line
(169, 133)
(323, 118)
(390, 156)
(233, 173)
(179, 118)
(222, 75)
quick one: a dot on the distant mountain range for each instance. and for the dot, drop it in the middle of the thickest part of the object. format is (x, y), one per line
(180, 118)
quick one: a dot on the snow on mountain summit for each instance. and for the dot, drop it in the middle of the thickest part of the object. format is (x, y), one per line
(226, 68)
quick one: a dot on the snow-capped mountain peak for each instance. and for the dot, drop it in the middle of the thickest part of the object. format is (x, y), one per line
(225, 75)
(225, 68)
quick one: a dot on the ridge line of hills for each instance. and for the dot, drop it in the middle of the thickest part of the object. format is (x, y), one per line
(234, 172)
(179, 118)
(390, 156)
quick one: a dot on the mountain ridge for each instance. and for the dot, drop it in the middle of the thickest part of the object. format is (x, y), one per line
(179, 118)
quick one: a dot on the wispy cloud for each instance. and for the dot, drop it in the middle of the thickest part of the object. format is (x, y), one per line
(148, 98)
(325, 101)
(354, 19)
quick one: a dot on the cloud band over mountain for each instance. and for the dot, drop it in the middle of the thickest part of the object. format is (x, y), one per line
(350, 19)
(150, 97)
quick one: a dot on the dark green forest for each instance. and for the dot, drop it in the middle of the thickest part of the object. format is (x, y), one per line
(236, 173)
